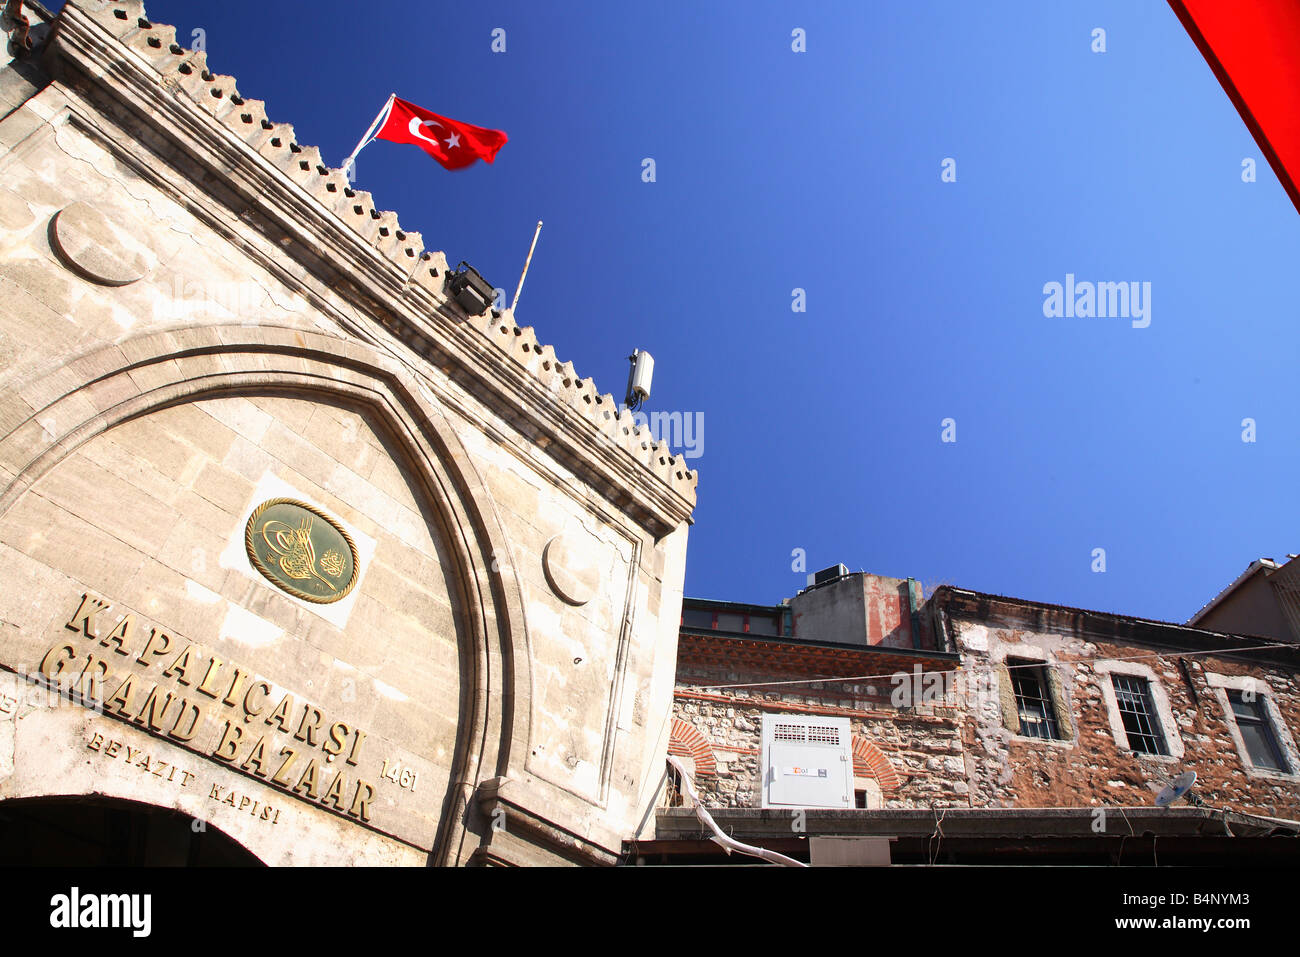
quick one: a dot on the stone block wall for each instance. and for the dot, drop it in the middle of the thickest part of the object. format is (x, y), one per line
(199, 316)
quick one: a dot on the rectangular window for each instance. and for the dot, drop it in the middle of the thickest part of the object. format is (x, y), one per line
(1133, 695)
(729, 621)
(1257, 732)
(1037, 718)
(697, 618)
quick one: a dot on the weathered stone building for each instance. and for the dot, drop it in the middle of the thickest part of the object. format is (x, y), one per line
(300, 561)
(1070, 708)
(1005, 730)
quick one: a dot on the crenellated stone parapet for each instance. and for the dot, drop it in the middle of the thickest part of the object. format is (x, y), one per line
(113, 45)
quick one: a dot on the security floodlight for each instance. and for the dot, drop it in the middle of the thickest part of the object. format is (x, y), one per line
(470, 290)
(638, 378)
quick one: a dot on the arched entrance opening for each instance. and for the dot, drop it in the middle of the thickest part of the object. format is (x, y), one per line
(110, 832)
(433, 695)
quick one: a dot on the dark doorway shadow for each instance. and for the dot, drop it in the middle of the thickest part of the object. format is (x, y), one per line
(109, 832)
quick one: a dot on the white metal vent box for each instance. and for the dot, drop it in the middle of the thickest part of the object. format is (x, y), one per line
(807, 762)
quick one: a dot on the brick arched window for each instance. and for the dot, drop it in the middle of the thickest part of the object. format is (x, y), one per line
(685, 739)
(870, 762)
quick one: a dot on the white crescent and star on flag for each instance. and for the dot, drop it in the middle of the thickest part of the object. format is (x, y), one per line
(452, 143)
(415, 129)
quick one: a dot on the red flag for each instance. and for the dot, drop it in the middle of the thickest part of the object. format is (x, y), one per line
(452, 143)
(1254, 50)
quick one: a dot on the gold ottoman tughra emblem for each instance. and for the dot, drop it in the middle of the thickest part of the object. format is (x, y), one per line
(301, 550)
(332, 562)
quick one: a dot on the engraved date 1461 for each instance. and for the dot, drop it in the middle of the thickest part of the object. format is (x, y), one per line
(402, 777)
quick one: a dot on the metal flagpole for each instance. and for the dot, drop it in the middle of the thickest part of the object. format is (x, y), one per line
(527, 261)
(368, 136)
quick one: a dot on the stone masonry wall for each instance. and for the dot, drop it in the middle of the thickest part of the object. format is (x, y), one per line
(1096, 768)
(922, 747)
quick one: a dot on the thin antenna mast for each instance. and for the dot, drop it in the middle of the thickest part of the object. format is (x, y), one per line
(527, 262)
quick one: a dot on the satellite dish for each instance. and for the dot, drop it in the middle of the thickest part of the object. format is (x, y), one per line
(1177, 788)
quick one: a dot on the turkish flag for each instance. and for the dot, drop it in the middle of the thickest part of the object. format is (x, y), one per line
(452, 143)
(1253, 47)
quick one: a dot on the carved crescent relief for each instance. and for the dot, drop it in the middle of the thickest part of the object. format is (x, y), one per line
(93, 246)
(573, 562)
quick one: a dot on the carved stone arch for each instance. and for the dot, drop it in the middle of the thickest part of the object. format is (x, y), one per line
(155, 371)
(870, 762)
(685, 739)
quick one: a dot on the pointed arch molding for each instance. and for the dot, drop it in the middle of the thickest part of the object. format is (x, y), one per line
(57, 413)
(870, 762)
(685, 739)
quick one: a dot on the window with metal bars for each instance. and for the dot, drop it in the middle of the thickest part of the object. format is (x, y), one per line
(1257, 732)
(1141, 724)
(1037, 717)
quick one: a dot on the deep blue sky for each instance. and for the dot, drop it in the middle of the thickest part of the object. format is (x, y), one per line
(821, 170)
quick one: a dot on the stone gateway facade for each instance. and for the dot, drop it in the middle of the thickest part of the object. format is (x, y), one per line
(295, 552)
